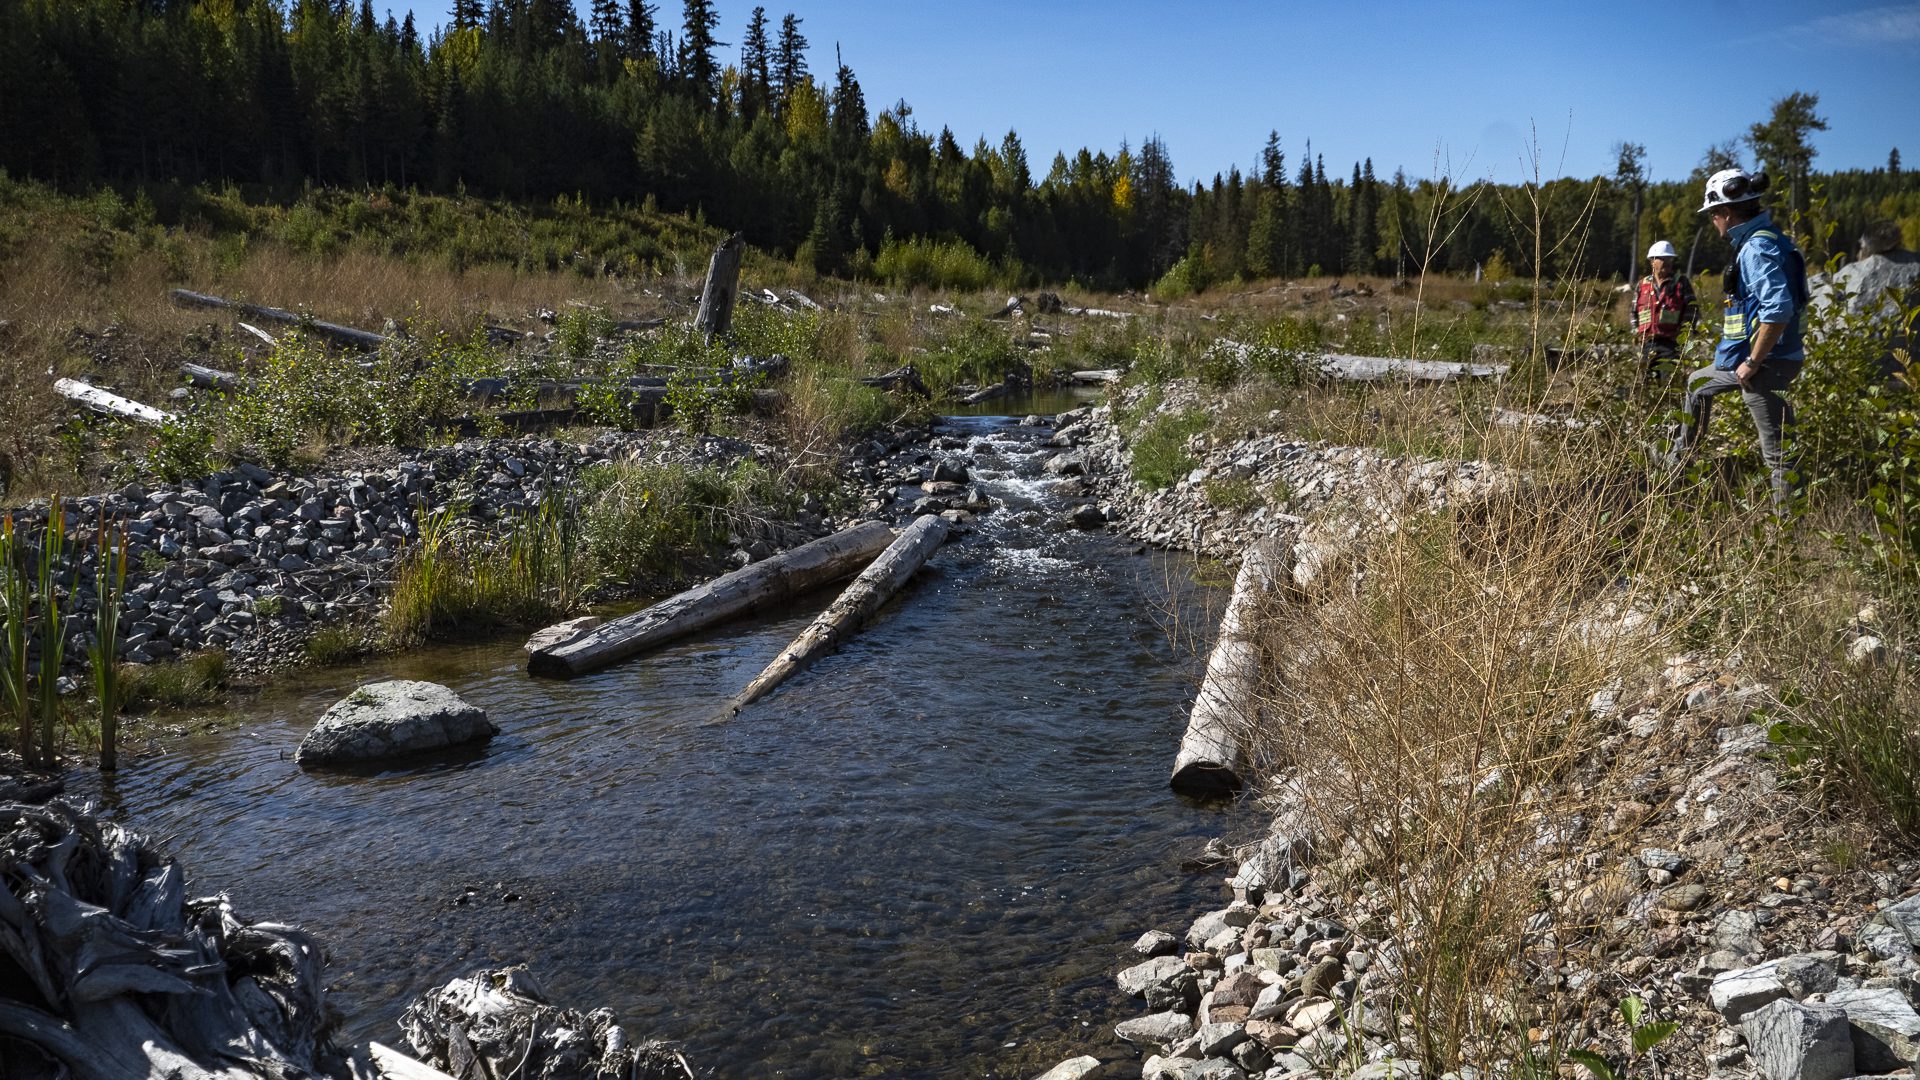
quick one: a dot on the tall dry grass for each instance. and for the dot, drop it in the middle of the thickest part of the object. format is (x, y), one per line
(1440, 710)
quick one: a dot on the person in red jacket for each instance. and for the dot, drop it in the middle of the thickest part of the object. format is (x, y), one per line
(1662, 304)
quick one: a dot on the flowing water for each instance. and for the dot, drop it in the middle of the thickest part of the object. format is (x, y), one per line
(924, 856)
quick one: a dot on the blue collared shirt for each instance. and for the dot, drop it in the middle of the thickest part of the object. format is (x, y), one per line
(1766, 286)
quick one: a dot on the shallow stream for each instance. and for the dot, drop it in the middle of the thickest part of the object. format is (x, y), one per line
(925, 856)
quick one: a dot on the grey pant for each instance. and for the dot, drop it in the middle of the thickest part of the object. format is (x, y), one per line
(1772, 415)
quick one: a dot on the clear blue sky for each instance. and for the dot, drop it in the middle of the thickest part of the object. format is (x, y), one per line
(1389, 80)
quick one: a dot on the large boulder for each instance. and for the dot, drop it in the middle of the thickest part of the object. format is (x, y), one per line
(393, 719)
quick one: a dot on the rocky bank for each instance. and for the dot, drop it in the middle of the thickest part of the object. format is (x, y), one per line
(1782, 943)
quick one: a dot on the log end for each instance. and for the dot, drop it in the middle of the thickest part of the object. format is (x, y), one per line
(1206, 780)
(550, 664)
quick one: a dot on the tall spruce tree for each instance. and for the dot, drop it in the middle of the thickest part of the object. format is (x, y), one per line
(789, 59)
(756, 66)
(637, 44)
(698, 64)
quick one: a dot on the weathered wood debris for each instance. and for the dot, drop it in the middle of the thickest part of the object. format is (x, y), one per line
(1210, 759)
(908, 552)
(343, 335)
(770, 581)
(715, 317)
(116, 974)
(497, 1024)
(110, 404)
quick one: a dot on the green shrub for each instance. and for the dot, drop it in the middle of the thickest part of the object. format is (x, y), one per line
(643, 521)
(976, 352)
(1160, 452)
(1183, 279)
(933, 264)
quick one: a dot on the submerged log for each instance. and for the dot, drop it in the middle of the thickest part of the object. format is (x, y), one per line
(118, 975)
(344, 335)
(908, 552)
(715, 317)
(770, 581)
(1210, 759)
(111, 404)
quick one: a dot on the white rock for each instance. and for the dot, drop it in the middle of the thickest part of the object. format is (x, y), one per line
(390, 719)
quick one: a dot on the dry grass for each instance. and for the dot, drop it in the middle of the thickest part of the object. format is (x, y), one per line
(1432, 714)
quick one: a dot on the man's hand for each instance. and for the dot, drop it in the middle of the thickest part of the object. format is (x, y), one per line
(1745, 373)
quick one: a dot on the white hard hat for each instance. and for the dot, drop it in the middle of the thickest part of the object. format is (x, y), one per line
(1662, 249)
(1733, 186)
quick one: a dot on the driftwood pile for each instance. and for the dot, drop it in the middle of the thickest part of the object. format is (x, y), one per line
(496, 1024)
(107, 971)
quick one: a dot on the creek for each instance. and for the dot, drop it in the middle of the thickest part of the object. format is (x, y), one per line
(925, 856)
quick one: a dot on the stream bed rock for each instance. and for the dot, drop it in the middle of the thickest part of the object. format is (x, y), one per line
(393, 719)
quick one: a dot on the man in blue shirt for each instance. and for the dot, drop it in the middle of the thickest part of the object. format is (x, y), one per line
(1760, 350)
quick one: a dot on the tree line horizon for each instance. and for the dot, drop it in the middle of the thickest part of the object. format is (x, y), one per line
(525, 100)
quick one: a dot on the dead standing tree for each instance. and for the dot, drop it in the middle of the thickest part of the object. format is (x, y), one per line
(715, 317)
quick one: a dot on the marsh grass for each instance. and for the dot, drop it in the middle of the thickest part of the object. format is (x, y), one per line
(191, 682)
(456, 579)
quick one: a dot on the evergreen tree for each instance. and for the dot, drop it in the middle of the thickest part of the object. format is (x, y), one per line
(1781, 147)
(638, 41)
(466, 14)
(849, 124)
(790, 59)
(1893, 161)
(756, 58)
(698, 65)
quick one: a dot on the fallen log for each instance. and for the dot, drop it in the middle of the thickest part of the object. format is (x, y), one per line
(988, 393)
(259, 333)
(1101, 313)
(804, 300)
(344, 335)
(1383, 368)
(110, 404)
(715, 317)
(500, 1024)
(210, 378)
(908, 552)
(118, 975)
(758, 585)
(395, 1065)
(1096, 376)
(1210, 759)
(905, 377)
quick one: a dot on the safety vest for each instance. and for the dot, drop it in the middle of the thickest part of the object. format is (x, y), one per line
(1657, 309)
(1737, 307)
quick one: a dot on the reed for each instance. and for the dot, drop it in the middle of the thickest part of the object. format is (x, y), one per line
(103, 655)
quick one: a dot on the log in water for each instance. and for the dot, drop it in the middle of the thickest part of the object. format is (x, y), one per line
(747, 589)
(916, 543)
(1210, 759)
